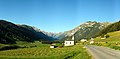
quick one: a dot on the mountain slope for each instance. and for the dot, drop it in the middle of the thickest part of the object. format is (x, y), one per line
(86, 30)
(51, 35)
(54, 35)
(111, 28)
(38, 32)
(113, 37)
(9, 33)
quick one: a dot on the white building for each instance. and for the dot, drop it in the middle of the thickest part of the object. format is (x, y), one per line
(103, 38)
(52, 46)
(69, 42)
(91, 41)
(83, 40)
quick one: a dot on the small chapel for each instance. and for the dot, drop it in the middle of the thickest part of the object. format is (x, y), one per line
(69, 42)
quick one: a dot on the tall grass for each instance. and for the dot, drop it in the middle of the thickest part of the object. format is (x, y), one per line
(74, 52)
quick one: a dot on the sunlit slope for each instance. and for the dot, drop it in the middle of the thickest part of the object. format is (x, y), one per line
(113, 37)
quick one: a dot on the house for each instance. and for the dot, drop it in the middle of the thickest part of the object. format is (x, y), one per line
(91, 41)
(103, 38)
(69, 42)
(83, 40)
(53, 46)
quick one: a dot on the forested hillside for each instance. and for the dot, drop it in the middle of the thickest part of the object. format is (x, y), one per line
(111, 28)
(10, 33)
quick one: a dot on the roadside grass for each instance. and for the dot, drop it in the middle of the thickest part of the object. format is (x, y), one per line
(42, 51)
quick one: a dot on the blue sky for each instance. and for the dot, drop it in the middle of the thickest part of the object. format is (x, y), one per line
(59, 15)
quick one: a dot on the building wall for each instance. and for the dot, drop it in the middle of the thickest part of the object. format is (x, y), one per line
(91, 42)
(83, 40)
(69, 43)
(51, 46)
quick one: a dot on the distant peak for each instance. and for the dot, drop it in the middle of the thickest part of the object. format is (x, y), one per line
(91, 22)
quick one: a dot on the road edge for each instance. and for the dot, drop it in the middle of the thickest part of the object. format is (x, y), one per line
(88, 51)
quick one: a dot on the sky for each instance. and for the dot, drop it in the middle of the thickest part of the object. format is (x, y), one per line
(59, 15)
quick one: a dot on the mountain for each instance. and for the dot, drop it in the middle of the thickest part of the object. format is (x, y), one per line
(10, 33)
(54, 35)
(111, 28)
(86, 30)
(51, 35)
(38, 32)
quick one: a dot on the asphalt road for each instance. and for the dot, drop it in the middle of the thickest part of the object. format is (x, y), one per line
(103, 52)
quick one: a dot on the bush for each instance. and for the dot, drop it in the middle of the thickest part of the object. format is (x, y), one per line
(9, 47)
(115, 47)
(107, 36)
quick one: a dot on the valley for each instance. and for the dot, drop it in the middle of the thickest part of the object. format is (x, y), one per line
(59, 29)
(32, 42)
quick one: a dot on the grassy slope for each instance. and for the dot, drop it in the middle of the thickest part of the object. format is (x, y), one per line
(113, 41)
(44, 52)
(114, 37)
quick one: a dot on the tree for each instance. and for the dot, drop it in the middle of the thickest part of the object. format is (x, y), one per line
(107, 36)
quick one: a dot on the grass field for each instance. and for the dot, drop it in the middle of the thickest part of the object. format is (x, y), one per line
(43, 51)
(114, 37)
(113, 41)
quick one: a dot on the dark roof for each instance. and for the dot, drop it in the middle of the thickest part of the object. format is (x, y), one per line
(69, 40)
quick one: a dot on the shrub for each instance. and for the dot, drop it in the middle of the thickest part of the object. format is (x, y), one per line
(9, 47)
(107, 36)
(115, 47)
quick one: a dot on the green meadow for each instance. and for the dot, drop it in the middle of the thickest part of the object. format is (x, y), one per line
(113, 41)
(113, 37)
(42, 51)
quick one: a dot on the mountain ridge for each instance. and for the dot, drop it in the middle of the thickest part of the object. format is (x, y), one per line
(69, 33)
(9, 33)
(86, 30)
(111, 28)
(90, 28)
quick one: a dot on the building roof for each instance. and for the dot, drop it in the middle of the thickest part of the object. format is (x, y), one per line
(69, 39)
